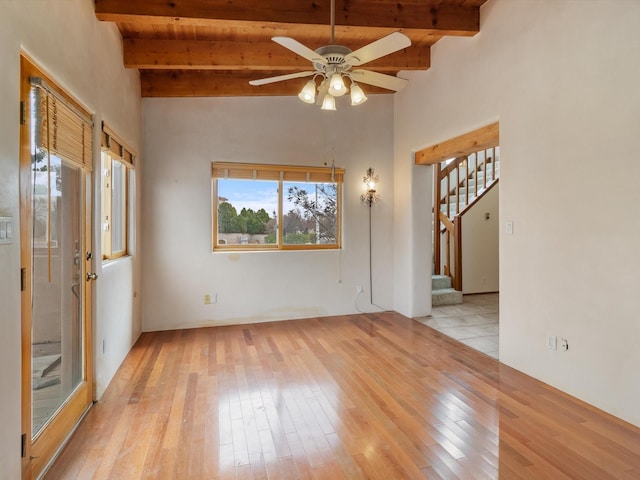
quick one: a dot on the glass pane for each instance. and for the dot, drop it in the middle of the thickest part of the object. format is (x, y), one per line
(57, 366)
(118, 206)
(104, 207)
(310, 213)
(247, 212)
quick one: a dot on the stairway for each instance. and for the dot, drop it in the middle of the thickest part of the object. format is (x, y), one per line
(442, 293)
(466, 190)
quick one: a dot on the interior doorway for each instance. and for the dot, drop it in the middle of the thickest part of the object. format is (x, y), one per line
(466, 237)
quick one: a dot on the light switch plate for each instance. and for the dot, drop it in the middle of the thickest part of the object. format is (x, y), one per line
(6, 230)
(508, 227)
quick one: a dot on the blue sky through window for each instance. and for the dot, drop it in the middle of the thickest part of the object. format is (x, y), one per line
(257, 194)
(253, 194)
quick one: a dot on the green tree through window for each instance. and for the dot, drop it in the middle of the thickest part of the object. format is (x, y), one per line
(317, 205)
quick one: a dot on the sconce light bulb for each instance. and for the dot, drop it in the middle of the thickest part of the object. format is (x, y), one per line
(370, 180)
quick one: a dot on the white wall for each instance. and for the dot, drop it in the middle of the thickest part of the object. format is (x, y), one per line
(480, 244)
(90, 67)
(412, 257)
(181, 139)
(564, 85)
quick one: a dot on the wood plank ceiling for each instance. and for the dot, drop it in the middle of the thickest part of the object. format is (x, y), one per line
(195, 48)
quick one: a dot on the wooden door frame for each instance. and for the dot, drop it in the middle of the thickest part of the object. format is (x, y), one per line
(51, 439)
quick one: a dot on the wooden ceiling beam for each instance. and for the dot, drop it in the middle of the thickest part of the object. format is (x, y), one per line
(397, 15)
(211, 83)
(481, 139)
(260, 55)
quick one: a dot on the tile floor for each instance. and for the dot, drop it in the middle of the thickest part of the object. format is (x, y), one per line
(474, 322)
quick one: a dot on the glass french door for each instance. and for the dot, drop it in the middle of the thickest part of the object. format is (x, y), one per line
(56, 300)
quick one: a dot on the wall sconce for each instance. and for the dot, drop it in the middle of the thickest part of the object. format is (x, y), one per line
(370, 180)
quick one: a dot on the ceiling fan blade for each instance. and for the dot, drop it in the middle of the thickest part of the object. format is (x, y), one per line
(386, 45)
(378, 79)
(280, 78)
(302, 50)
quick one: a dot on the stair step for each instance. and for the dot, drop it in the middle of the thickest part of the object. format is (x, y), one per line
(446, 296)
(452, 211)
(463, 196)
(468, 190)
(439, 282)
(454, 198)
(471, 182)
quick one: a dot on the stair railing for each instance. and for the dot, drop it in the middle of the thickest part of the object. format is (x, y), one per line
(451, 177)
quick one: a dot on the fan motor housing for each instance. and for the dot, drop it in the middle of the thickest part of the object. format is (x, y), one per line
(334, 55)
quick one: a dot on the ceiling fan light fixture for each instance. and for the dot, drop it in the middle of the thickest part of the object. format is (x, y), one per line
(333, 62)
(337, 88)
(357, 95)
(308, 92)
(329, 102)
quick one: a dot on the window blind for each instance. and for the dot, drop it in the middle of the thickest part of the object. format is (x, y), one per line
(61, 128)
(117, 148)
(248, 171)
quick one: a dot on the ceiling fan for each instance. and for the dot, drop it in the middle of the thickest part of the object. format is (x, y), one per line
(332, 63)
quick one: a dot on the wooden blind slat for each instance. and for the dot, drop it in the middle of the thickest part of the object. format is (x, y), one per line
(61, 130)
(246, 171)
(244, 174)
(294, 176)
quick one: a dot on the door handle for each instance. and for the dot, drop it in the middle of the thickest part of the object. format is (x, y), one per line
(92, 276)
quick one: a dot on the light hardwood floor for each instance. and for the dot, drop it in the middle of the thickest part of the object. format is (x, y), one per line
(375, 396)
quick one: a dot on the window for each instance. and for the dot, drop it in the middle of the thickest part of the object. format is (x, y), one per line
(275, 207)
(117, 161)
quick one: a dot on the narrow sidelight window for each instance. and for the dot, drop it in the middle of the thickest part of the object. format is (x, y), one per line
(117, 166)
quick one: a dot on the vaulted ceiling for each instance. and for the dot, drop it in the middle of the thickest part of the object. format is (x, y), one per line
(187, 48)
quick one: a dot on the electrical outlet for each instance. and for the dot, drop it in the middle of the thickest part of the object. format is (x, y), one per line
(564, 345)
(552, 342)
(359, 289)
(207, 299)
